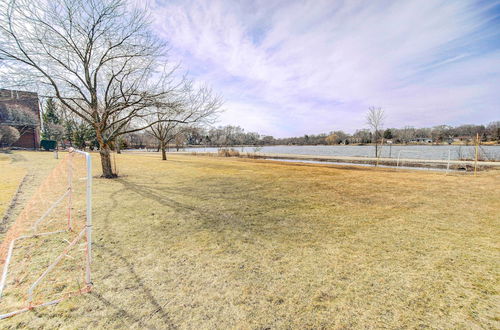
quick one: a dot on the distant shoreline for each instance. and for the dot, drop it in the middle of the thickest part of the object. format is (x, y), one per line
(337, 145)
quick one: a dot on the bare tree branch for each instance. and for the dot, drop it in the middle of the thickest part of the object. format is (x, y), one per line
(100, 60)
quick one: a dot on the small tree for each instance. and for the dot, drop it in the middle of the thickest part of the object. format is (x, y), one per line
(189, 107)
(164, 132)
(52, 128)
(180, 139)
(375, 119)
(8, 136)
(332, 138)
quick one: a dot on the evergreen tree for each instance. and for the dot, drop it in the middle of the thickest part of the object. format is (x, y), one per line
(50, 112)
(52, 129)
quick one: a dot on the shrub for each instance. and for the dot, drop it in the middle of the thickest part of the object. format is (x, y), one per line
(48, 145)
(228, 153)
(8, 135)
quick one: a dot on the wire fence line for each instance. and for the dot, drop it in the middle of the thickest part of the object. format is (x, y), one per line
(46, 253)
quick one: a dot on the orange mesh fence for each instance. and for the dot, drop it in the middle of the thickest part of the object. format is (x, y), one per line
(45, 255)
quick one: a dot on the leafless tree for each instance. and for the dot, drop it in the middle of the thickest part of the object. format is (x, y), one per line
(407, 134)
(190, 106)
(164, 132)
(99, 58)
(180, 139)
(375, 119)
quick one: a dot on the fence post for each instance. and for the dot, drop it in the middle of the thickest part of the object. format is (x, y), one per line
(89, 218)
(448, 165)
(70, 186)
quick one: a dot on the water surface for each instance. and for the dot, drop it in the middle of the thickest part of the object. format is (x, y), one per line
(410, 151)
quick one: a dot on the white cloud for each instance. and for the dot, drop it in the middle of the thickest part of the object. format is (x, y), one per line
(288, 68)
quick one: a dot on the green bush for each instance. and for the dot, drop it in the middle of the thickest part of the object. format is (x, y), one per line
(48, 144)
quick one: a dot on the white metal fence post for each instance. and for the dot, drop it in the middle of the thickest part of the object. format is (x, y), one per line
(89, 218)
(70, 187)
(88, 223)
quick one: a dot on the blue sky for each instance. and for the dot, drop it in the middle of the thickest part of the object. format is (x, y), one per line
(289, 68)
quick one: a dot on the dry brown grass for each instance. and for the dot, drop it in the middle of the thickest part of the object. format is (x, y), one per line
(33, 167)
(10, 178)
(228, 153)
(208, 242)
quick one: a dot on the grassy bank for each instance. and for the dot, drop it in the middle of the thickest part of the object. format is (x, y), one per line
(205, 242)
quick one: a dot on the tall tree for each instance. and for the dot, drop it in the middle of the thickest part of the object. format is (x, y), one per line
(388, 134)
(52, 128)
(98, 58)
(50, 112)
(375, 119)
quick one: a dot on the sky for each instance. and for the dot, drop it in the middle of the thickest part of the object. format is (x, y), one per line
(289, 68)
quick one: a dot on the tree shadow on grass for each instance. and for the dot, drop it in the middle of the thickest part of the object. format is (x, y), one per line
(228, 213)
(121, 312)
(146, 292)
(152, 194)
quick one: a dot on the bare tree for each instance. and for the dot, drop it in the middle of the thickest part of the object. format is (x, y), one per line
(375, 119)
(97, 57)
(180, 139)
(407, 134)
(191, 106)
(164, 132)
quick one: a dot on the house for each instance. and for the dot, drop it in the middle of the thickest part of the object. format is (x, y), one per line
(421, 140)
(463, 138)
(26, 101)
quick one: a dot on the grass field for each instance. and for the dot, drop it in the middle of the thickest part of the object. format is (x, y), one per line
(13, 169)
(10, 178)
(206, 242)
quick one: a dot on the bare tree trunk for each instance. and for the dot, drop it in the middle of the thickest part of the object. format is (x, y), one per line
(118, 150)
(104, 151)
(163, 151)
(107, 170)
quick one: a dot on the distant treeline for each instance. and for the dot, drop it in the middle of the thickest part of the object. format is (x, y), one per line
(235, 135)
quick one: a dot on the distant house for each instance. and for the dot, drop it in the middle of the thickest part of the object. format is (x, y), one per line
(28, 101)
(421, 140)
(463, 138)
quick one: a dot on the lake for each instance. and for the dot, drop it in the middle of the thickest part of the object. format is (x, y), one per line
(405, 151)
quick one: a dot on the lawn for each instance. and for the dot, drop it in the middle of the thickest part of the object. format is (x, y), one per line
(207, 242)
(10, 178)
